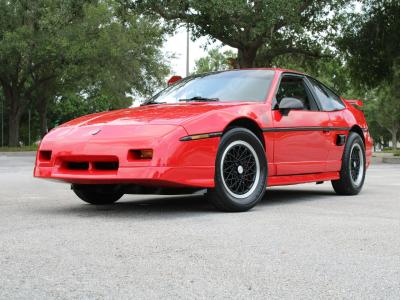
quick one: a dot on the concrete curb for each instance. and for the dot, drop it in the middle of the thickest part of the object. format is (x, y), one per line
(385, 157)
(382, 154)
(21, 153)
(391, 160)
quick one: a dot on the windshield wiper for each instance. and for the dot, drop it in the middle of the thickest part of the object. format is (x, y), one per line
(151, 102)
(200, 99)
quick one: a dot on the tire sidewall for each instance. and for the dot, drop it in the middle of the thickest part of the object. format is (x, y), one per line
(98, 194)
(241, 134)
(354, 138)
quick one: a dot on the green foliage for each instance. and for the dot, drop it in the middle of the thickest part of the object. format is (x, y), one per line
(371, 41)
(277, 26)
(371, 112)
(117, 54)
(53, 48)
(66, 58)
(388, 112)
(71, 106)
(214, 61)
(331, 71)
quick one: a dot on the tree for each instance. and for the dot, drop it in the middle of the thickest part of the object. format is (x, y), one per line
(2, 109)
(71, 106)
(371, 40)
(52, 47)
(371, 44)
(388, 108)
(214, 61)
(372, 113)
(277, 26)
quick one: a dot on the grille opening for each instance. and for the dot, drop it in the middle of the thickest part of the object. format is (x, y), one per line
(77, 165)
(45, 155)
(106, 165)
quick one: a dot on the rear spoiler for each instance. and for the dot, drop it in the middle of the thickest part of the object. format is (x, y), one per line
(353, 102)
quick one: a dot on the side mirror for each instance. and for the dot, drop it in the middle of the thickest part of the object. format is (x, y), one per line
(287, 104)
(173, 79)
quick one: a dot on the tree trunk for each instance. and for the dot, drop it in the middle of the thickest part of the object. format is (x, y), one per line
(247, 57)
(42, 110)
(394, 138)
(14, 114)
(14, 121)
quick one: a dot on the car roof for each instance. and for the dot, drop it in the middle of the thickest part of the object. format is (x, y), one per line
(280, 70)
(273, 69)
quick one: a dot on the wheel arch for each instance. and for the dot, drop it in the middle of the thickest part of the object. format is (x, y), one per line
(357, 129)
(248, 124)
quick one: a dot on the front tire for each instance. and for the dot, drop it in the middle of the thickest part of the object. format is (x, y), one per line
(352, 173)
(98, 194)
(240, 172)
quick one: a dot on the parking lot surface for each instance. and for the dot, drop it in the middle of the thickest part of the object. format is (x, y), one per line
(300, 242)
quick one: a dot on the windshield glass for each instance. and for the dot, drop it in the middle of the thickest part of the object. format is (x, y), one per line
(240, 85)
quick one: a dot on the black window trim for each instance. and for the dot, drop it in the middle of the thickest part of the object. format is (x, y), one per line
(307, 86)
(310, 87)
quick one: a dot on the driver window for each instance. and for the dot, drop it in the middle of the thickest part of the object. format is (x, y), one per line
(294, 87)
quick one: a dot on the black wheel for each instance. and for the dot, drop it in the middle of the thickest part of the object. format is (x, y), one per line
(240, 171)
(352, 173)
(98, 194)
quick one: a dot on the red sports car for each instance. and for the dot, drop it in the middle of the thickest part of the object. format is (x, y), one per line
(233, 133)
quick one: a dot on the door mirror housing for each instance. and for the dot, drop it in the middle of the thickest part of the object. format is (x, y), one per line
(287, 104)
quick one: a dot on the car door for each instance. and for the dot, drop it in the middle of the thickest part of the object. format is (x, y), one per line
(333, 105)
(301, 141)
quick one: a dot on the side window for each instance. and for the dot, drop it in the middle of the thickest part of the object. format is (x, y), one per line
(295, 87)
(328, 99)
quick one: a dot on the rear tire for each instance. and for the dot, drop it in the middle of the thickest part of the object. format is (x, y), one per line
(352, 173)
(240, 172)
(98, 194)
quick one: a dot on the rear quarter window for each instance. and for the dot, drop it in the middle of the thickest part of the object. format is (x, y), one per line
(328, 99)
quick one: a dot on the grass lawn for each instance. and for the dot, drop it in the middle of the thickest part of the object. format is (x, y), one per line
(19, 149)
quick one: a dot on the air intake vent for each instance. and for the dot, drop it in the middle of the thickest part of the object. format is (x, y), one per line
(105, 165)
(44, 155)
(77, 165)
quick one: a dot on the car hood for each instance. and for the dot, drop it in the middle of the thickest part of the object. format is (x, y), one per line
(164, 114)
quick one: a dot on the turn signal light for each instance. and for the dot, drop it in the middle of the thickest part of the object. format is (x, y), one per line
(200, 136)
(146, 154)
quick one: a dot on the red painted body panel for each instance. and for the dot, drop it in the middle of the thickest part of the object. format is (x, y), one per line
(299, 152)
(304, 178)
(293, 156)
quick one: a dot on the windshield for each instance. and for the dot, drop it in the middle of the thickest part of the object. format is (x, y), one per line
(240, 85)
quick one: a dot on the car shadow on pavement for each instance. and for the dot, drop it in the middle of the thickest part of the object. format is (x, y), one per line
(180, 205)
(286, 196)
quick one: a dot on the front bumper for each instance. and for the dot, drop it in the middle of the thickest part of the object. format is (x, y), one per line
(74, 155)
(152, 176)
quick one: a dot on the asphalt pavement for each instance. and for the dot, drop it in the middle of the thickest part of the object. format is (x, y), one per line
(300, 242)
